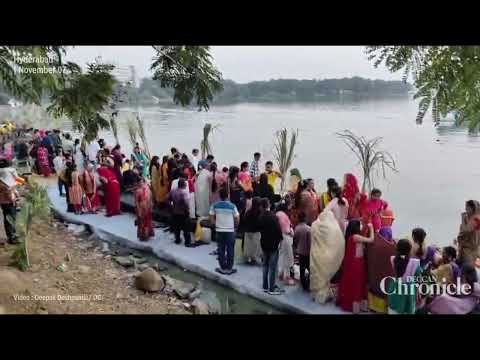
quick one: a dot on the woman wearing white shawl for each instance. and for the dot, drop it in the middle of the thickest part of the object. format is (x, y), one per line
(202, 192)
(326, 254)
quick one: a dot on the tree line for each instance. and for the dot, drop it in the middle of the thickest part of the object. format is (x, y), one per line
(285, 89)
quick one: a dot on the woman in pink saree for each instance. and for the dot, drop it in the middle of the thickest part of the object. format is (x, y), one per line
(43, 161)
(92, 201)
(373, 210)
(463, 304)
(143, 206)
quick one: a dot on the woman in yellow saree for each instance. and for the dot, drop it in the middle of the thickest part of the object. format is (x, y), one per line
(160, 181)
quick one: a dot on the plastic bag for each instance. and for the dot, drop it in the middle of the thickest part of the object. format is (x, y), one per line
(198, 231)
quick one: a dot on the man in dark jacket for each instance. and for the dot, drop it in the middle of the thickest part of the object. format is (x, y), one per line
(181, 214)
(271, 236)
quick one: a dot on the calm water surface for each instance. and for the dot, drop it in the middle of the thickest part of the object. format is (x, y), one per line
(438, 167)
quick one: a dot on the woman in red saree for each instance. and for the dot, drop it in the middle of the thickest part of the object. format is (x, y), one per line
(352, 289)
(356, 200)
(43, 161)
(143, 206)
(111, 188)
(90, 187)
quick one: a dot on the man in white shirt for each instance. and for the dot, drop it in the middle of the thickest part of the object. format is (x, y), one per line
(67, 144)
(59, 165)
(195, 159)
(92, 151)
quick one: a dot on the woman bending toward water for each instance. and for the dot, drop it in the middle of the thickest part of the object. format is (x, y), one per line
(352, 290)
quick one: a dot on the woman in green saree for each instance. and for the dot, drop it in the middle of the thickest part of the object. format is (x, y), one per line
(403, 296)
(140, 159)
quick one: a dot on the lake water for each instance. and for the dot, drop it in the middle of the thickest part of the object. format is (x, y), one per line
(438, 167)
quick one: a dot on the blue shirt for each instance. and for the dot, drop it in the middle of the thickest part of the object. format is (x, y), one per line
(225, 213)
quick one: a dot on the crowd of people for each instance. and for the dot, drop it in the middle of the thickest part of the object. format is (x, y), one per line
(337, 245)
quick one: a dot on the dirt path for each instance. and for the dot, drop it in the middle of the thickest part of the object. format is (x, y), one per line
(94, 283)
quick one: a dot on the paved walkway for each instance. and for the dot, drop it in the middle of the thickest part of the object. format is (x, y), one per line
(248, 279)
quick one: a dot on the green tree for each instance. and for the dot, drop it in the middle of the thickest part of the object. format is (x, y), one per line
(189, 71)
(27, 80)
(447, 78)
(84, 98)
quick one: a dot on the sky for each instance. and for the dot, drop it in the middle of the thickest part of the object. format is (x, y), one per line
(249, 63)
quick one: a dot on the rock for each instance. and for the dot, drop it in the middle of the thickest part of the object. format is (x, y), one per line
(105, 247)
(120, 296)
(200, 307)
(138, 260)
(194, 294)
(77, 229)
(84, 269)
(92, 237)
(42, 312)
(36, 280)
(158, 267)
(68, 257)
(149, 280)
(181, 288)
(142, 267)
(124, 261)
(62, 267)
(211, 299)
